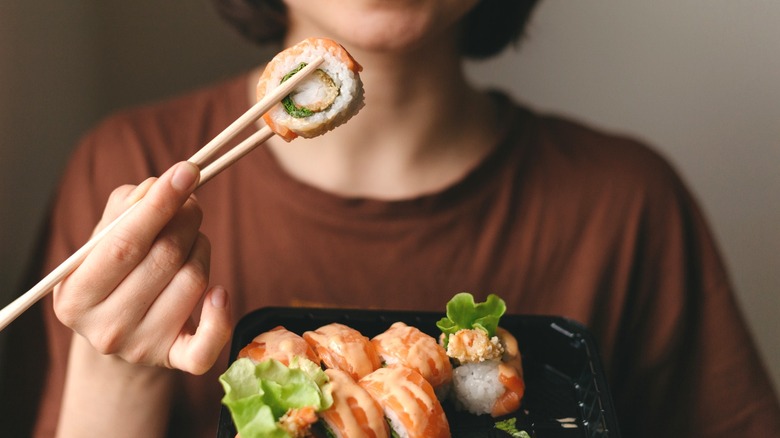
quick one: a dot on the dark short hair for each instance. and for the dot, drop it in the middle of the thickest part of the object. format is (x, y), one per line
(489, 28)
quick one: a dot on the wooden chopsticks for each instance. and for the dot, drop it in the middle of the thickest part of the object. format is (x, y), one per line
(12, 311)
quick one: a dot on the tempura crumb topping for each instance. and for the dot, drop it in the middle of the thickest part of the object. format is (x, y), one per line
(473, 345)
(297, 422)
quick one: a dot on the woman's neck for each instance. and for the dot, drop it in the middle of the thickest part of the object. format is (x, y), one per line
(422, 128)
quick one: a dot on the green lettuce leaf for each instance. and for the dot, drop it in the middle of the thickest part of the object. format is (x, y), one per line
(464, 313)
(510, 426)
(288, 104)
(257, 395)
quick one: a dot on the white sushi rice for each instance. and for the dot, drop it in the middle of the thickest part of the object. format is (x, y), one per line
(346, 104)
(395, 424)
(475, 386)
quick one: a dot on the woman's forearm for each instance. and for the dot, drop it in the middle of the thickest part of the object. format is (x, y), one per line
(106, 396)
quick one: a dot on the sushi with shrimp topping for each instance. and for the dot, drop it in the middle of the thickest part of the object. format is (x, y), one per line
(487, 376)
(327, 98)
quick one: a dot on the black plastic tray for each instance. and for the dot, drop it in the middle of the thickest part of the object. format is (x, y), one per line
(566, 391)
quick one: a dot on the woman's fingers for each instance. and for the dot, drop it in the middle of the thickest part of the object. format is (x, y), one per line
(133, 237)
(116, 324)
(165, 261)
(122, 250)
(196, 352)
(121, 199)
(135, 294)
(193, 347)
(172, 311)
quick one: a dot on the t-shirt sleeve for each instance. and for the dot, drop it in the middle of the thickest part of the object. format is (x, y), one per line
(684, 363)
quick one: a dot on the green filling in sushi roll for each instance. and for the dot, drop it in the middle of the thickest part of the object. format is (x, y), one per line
(393, 433)
(315, 94)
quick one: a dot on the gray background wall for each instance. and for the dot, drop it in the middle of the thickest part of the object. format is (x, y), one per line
(696, 78)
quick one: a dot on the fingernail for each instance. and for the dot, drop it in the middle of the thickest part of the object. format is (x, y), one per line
(219, 298)
(184, 177)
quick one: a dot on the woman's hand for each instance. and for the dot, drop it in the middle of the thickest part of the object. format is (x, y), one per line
(135, 294)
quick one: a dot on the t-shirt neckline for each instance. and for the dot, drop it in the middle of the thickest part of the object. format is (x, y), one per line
(460, 194)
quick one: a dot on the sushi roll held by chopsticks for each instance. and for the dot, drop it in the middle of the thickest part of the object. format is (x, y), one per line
(326, 99)
(322, 100)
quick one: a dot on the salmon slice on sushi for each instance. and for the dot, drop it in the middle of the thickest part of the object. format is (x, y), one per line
(280, 344)
(408, 401)
(354, 413)
(487, 376)
(342, 347)
(326, 99)
(405, 345)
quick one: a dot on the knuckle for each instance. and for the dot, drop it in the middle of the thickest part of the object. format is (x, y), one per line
(194, 277)
(119, 194)
(161, 205)
(108, 341)
(67, 313)
(167, 254)
(124, 249)
(137, 355)
(118, 199)
(68, 310)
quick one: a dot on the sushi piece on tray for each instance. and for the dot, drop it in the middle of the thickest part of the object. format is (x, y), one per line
(280, 344)
(405, 345)
(408, 401)
(487, 366)
(354, 413)
(344, 348)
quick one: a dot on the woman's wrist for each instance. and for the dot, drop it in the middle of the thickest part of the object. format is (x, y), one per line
(100, 391)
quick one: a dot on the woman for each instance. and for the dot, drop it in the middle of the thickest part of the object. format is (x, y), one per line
(434, 188)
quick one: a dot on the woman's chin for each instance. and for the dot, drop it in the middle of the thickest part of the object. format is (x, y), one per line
(380, 31)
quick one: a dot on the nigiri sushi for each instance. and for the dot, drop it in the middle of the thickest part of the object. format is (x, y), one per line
(326, 99)
(405, 345)
(408, 402)
(342, 347)
(487, 372)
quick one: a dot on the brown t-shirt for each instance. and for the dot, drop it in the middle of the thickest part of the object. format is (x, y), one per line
(559, 219)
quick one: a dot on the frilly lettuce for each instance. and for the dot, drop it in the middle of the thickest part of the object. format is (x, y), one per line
(510, 426)
(464, 313)
(257, 395)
